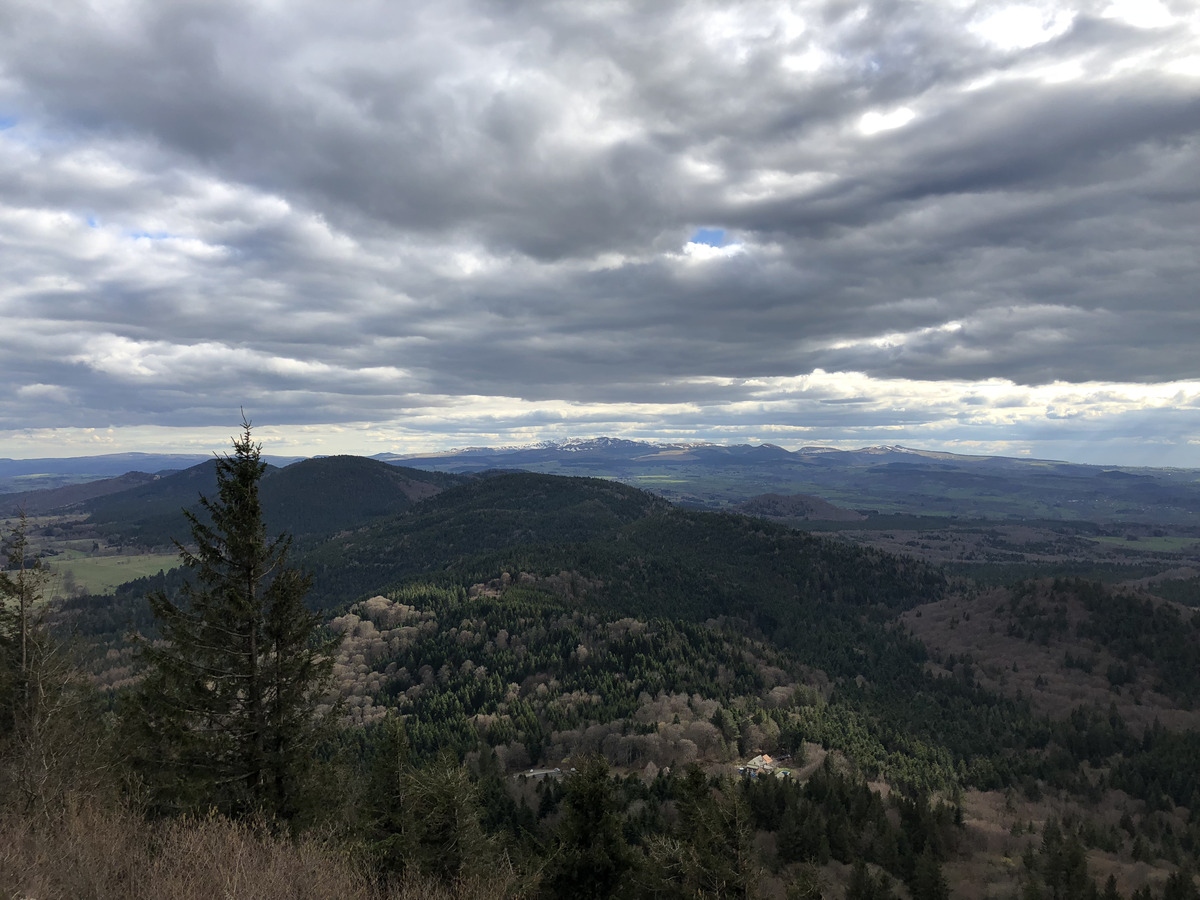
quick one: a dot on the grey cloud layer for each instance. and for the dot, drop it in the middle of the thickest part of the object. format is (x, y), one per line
(335, 213)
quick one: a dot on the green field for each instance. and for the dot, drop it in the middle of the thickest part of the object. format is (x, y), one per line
(100, 574)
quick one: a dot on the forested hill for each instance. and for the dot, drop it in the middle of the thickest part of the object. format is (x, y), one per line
(629, 553)
(353, 556)
(632, 553)
(331, 494)
(310, 497)
(610, 551)
(460, 530)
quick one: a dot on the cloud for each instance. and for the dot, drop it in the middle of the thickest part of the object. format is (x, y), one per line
(874, 122)
(1021, 26)
(429, 216)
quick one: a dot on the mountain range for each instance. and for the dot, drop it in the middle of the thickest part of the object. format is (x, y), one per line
(884, 479)
(887, 479)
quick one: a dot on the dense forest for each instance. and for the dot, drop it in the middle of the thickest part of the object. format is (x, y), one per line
(520, 685)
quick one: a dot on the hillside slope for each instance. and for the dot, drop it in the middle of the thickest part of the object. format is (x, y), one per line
(797, 506)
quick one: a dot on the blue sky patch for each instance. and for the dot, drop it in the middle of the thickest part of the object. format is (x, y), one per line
(714, 237)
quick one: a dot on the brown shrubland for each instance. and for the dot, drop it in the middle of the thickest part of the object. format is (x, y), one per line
(86, 853)
(91, 853)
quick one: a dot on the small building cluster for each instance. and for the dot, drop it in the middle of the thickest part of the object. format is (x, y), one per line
(763, 765)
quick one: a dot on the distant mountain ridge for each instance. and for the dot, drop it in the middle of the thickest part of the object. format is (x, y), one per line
(29, 475)
(621, 447)
(885, 478)
(114, 463)
(111, 462)
(38, 502)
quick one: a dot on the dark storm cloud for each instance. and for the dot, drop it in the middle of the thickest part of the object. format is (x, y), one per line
(355, 213)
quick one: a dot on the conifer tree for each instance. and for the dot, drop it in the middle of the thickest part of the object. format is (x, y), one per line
(711, 854)
(441, 836)
(51, 743)
(928, 882)
(865, 886)
(228, 705)
(23, 578)
(1181, 885)
(593, 860)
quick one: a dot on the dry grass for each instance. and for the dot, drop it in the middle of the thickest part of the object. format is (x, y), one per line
(85, 854)
(90, 854)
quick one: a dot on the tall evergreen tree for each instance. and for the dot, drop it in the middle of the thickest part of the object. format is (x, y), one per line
(229, 702)
(928, 882)
(51, 742)
(22, 581)
(441, 835)
(23, 647)
(711, 854)
(1181, 885)
(865, 886)
(593, 860)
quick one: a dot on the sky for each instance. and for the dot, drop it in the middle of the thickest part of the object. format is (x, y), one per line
(402, 227)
